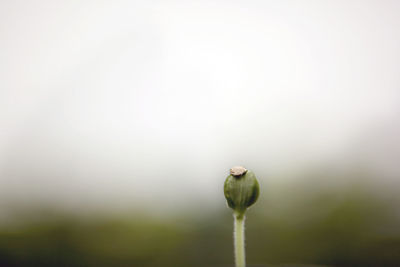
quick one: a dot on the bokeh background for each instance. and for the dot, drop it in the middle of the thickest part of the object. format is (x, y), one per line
(119, 121)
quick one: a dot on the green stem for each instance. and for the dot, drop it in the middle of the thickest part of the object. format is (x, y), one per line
(240, 254)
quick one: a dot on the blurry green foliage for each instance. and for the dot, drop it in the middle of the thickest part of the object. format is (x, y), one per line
(322, 227)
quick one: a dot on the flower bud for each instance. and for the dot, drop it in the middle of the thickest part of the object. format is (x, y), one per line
(241, 189)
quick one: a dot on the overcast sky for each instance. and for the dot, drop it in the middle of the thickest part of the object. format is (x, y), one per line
(104, 101)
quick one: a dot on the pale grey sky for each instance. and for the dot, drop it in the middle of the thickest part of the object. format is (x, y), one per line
(147, 100)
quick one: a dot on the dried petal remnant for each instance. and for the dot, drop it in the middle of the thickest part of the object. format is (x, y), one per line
(238, 171)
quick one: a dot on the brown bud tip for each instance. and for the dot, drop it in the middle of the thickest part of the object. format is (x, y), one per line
(238, 171)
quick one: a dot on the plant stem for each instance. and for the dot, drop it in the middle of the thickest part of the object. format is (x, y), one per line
(240, 254)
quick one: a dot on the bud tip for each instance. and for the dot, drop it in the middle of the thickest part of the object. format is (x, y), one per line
(238, 171)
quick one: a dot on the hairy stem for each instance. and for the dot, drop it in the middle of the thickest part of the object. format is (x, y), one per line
(240, 254)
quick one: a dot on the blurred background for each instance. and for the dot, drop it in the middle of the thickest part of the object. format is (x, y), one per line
(120, 120)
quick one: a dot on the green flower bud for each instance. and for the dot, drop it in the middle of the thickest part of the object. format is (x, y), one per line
(241, 189)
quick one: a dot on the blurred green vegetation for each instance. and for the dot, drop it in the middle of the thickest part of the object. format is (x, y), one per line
(350, 227)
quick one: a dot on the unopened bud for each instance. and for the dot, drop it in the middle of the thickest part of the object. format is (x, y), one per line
(241, 189)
